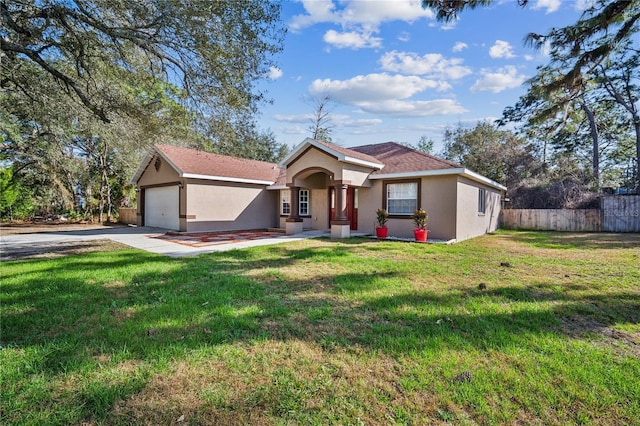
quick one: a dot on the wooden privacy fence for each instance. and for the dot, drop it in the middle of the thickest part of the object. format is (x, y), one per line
(620, 213)
(552, 219)
(128, 216)
(617, 213)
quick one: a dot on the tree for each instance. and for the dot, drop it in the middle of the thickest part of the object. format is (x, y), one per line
(321, 126)
(89, 86)
(619, 77)
(66, 149)
(496, 154)
(213, 51)
(589, 117)
(583, 51)
(425, 145)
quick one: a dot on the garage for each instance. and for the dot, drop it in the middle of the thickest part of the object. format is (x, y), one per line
(162, 207)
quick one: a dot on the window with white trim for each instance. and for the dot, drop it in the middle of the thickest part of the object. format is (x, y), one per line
(285, 203)
(402, 198)
(482, 194)
(304, 203)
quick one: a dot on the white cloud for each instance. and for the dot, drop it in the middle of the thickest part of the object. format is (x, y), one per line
(447, 26)
(550, 5)
(369, 14)
(431, 64)
(385, 94)
(361, 122)
(293, 130)
(358, 19)
(371, 88)
(459, 46)
(317, 11)
(293, 118)
(274, 73)
(404, 36)
(496, 82)
(358, 16)
(399, 108)
(338, 120)
(351, 39)
(529, 57)
(501, 49)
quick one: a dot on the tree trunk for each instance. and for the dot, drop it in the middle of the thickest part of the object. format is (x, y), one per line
(636, 125)
(593, 130)
(104, 180)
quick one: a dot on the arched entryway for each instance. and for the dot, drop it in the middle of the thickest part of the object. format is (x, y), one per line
(340, 196)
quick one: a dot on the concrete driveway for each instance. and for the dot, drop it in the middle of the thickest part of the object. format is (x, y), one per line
(141, 238)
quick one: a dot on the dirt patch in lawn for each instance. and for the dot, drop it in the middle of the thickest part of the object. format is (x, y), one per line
(58, 249)
(623, 342)
(14, 228)
(47, 250)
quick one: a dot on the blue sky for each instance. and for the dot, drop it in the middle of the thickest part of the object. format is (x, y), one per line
(394, 73)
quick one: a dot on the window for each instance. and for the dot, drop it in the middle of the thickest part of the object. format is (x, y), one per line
(303, 203)
(482, 193)
(285, 206)
(402, 198)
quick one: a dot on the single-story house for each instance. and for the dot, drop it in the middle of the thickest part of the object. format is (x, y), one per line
(319, 185)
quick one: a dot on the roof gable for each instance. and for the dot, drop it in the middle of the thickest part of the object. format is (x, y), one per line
(344, 155)
(191, 163)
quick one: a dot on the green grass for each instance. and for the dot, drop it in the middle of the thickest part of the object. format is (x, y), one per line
(324, 332)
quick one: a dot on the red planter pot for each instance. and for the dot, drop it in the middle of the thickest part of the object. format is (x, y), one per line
(420, 234)
(382, 232)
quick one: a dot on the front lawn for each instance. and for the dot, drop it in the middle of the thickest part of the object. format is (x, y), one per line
(515, 327)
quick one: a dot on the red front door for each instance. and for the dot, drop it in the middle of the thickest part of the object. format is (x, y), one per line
(352, 207)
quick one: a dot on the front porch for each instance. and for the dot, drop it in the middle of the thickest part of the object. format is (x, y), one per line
(322, 188)
(333, 209)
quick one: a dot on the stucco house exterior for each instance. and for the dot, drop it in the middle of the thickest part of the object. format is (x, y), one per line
(319, 186)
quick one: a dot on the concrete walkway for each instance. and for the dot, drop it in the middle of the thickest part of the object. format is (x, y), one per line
(140, 238)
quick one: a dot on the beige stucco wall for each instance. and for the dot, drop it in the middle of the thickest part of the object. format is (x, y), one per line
(225, 206)
(314, 158)
(356, 175)
(470, 223)
(319, 218)
(438, 197)
(369, 200)
(164, 174)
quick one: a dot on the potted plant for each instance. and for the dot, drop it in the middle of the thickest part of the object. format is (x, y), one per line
(381, 217)
(420, 219)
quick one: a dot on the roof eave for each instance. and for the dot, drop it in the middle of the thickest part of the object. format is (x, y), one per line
(226, 179)
(442, 172)
(277, 187)
(141, 168)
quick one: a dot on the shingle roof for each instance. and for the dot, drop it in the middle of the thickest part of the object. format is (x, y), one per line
(398, 158)
(282, 178)
(350, 152)
(194, 162)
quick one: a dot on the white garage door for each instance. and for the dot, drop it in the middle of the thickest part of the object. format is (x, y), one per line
(161, 207)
